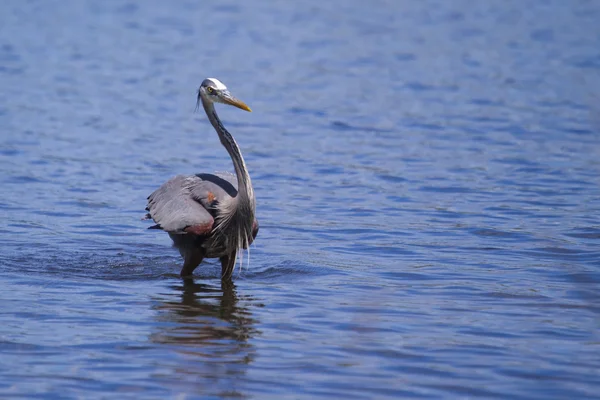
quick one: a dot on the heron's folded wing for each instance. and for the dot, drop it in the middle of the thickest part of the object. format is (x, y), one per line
(211, 189)
(176, 209)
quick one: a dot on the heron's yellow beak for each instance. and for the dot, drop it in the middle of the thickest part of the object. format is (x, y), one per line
(232, 101)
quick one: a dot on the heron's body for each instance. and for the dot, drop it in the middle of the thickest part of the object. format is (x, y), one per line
(209, 215)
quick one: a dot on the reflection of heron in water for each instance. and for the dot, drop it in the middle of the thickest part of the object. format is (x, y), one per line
(197, 319)
(209, 215)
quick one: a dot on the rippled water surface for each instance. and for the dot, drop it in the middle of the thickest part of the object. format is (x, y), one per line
(427, 176)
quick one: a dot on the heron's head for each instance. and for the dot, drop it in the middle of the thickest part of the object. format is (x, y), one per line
(213, 90)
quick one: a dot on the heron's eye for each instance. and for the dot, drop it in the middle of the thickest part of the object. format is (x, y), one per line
(209, 90)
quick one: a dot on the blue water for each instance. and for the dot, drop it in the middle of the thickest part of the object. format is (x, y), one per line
(428, 183)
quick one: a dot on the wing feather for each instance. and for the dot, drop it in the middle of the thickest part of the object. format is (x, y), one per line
(187, 203)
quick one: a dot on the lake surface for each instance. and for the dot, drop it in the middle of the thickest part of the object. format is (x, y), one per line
(428, 183)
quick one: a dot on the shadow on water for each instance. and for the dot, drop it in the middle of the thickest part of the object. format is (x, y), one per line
(208, 327)
(205, 314)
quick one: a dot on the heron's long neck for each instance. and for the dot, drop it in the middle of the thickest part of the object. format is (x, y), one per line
(245, 190)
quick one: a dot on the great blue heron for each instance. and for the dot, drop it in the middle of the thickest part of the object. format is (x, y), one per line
(209, 215)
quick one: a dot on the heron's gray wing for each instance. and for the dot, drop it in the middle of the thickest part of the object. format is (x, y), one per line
(186, 204)
(175, 209)
(211, 189)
